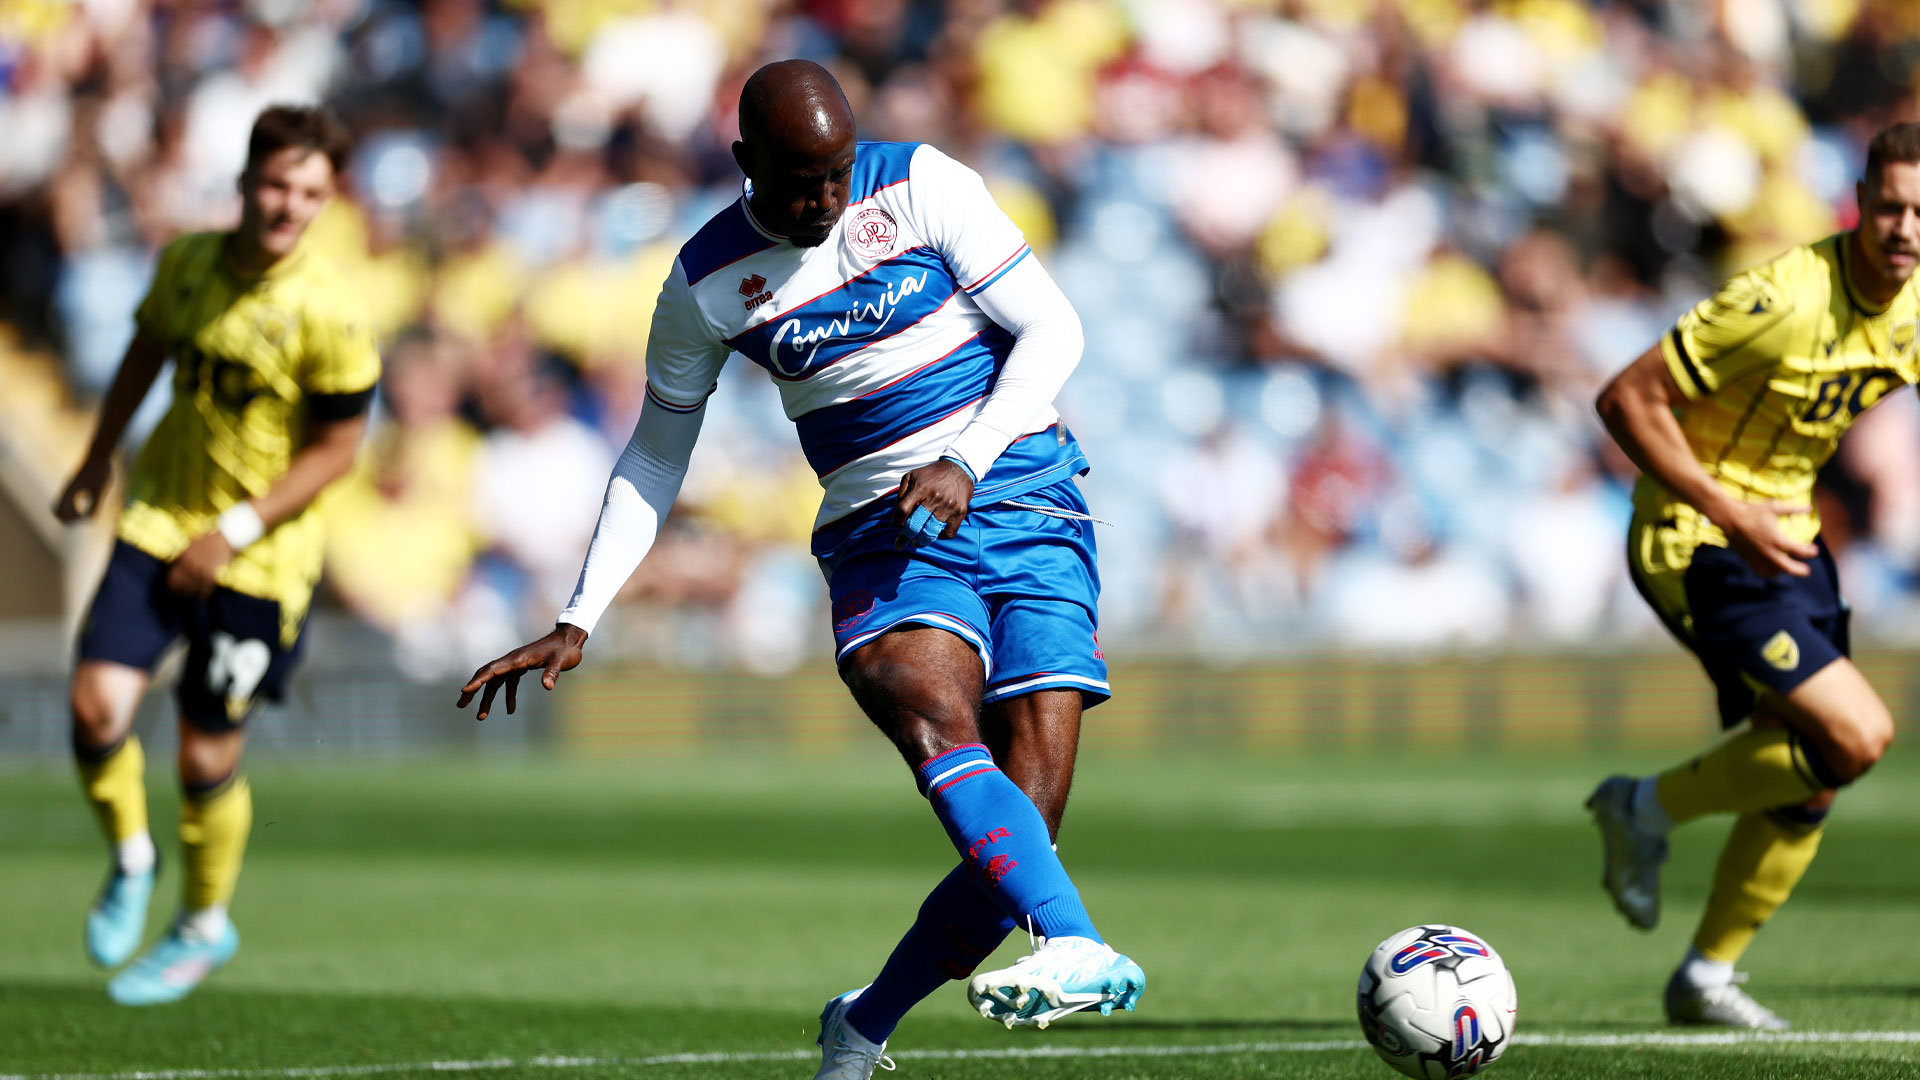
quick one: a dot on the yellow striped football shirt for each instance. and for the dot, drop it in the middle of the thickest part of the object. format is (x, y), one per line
(1775, 366)
(255, 356)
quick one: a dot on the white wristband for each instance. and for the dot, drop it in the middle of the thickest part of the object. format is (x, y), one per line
(241, 525)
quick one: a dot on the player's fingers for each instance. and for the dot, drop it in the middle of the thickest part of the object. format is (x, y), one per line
(953, 524)
(1790, 565)
(1784, 509)
(555, 666)
(513, 691)
(903, 507)
(486, 699)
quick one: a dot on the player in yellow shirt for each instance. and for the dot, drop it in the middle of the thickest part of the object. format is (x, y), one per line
(218, 542)
(1730, 417)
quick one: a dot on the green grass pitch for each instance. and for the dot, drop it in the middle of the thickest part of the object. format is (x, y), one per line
(553, 919)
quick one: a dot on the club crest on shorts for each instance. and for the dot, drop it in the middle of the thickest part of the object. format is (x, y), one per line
(851, 608)
(872, 233)
(1781, 651)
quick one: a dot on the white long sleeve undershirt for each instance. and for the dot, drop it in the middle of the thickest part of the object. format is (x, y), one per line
(646, 479)
(1047, 346)
(644, 484)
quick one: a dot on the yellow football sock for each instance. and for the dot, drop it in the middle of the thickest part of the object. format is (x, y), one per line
(213, 836)
(1762, 862)
(116, 785)
(1753, 769)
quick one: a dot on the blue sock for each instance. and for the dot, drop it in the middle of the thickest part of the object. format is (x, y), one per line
(959, 926)
(1003, 842)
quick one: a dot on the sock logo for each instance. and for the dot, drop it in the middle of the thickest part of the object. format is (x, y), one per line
(963, 955)
(996, 869)
(997, 834)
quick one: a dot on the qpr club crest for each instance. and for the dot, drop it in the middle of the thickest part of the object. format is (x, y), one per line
(872, 232)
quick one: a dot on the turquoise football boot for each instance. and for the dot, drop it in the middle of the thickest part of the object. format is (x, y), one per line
(118, 917)
(845, 1054)
(1062, 976)
(173, 967)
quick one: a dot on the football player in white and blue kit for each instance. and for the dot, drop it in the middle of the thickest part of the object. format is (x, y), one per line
(918, 346)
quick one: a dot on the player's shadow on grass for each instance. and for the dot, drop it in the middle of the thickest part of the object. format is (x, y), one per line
(1875, 990)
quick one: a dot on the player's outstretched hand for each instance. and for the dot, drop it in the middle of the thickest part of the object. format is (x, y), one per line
(944, 488)
(82, 496)
(1753, 530)
(555, 653)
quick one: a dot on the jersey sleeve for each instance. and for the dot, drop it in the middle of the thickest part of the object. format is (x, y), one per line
(342, 359)
(684, 356)
(962, 222)
(1742, 328)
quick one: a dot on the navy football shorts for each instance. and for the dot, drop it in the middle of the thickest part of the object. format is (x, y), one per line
(1752, 633)
(1019, 585)
(234, 652)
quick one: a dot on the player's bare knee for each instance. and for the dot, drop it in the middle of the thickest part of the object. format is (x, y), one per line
(97, 721)
(207, 759)
(1856, 746)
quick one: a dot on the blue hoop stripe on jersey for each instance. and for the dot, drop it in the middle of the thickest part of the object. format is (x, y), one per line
(838, 435)
(878, 165)
(721, 242)
(896, 294)
(1000, 271)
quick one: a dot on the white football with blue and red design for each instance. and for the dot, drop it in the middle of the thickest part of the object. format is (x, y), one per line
(1437, 1002)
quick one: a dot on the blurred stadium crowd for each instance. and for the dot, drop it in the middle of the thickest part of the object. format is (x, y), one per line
(1350, 271)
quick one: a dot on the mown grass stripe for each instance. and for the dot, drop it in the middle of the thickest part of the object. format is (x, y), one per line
(1653, 1039)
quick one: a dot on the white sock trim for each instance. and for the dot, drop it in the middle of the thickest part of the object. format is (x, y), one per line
(207, 924)
(1647, 811)
(1704, 973)
(135, 854)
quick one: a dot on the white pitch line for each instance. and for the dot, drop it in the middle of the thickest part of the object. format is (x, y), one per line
(1647, 1039)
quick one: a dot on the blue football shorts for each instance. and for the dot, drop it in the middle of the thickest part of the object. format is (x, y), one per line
(1753, 634)
(1019, 585)
(234, 653)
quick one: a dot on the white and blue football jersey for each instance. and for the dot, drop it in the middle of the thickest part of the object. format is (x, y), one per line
(880, 352)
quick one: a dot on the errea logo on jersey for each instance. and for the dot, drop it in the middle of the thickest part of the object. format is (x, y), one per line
(751, 288)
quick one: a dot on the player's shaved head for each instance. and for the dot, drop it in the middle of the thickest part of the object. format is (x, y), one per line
(794, 104)
(797, 146)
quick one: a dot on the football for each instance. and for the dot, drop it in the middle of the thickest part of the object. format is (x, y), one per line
(1437, 1002)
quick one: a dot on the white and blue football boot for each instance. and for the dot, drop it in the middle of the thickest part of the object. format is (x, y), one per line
(1725, 1005)
(845, 1054)
(1063, 975)
(1631, 872)
(173, 967)
(118, 917)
